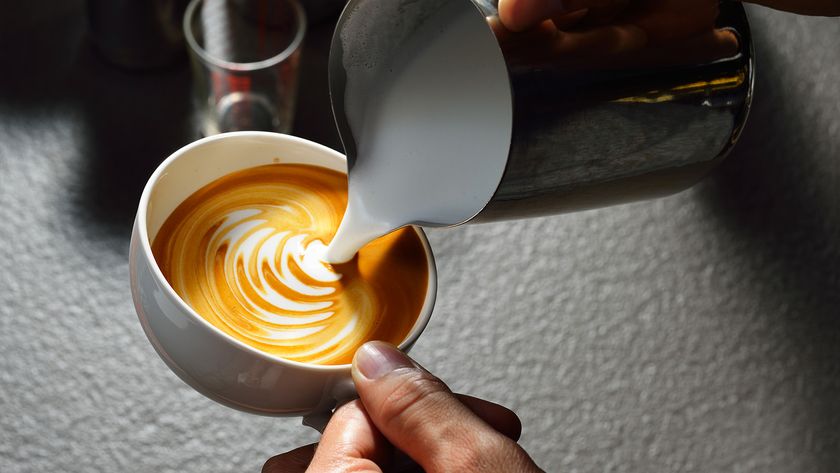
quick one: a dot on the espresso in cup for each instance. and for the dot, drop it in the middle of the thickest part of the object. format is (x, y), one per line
(246, 253)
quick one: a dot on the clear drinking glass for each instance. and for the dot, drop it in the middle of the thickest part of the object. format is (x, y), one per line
(244, 56)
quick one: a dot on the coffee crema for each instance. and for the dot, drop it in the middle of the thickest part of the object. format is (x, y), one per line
(245, 252)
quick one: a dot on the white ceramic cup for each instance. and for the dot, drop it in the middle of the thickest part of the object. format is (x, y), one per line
(214, 363)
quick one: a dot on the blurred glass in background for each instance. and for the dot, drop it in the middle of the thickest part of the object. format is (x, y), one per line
(244, 56)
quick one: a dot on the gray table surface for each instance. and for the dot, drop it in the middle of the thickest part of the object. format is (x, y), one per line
(697, 333)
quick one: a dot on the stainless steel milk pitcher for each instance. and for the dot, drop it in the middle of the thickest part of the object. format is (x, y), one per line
(595, 121)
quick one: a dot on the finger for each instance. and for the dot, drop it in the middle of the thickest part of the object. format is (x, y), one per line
(351, 443)
(597, 42)
(700, 49)
(601, 15)
(565, 21)
(499, 417)
(420, 416)
(502, 419)
(519, 15)
(665, 25)
(295, 461)
(511, 41)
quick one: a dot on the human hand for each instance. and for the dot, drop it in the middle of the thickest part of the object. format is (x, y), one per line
(406, 415)
(616, 34)
(613, 33)
(519, 15)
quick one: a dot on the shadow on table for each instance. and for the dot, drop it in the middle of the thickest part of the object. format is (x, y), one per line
(125, 122)
(132, 122)
(128, 121)
(779, 192)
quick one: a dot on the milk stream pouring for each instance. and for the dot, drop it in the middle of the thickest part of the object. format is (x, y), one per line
(446, 119)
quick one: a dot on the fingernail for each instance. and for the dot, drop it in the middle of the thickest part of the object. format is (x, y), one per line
(376, 359)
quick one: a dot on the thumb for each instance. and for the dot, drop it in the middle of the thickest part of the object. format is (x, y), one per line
(419, 415)
(519, 15)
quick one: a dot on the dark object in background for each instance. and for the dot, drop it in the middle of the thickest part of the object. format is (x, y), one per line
(320, 10)
(138, 34)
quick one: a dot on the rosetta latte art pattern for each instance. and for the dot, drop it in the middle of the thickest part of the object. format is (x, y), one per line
(245, 253)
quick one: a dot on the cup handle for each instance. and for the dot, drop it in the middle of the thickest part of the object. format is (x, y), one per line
(318, 421)
(340, 394)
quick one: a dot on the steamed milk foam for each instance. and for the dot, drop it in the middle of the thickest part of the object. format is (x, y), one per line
(430, 113)
(245, 252)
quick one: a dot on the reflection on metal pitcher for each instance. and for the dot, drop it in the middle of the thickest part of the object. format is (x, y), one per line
(608, 105)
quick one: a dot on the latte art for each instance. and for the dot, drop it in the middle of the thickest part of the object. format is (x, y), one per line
(246, 253)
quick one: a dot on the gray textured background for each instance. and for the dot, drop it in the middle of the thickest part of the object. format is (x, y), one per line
(699, 333)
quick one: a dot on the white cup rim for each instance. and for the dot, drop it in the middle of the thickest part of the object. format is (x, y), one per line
(419, 325)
